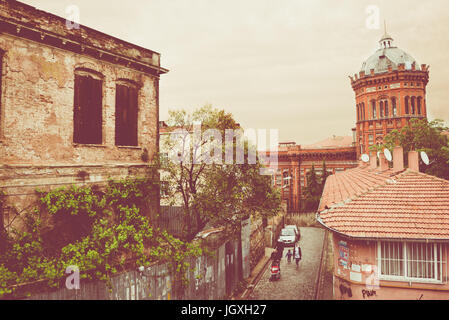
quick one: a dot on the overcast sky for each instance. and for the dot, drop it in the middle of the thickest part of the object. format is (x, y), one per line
(273, 64)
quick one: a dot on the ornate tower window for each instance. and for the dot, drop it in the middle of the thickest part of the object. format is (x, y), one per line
(381, 109)
(373, 104)
(393, 106)
(413, 105)
(386, 108)
(407, 105)
(419, 104)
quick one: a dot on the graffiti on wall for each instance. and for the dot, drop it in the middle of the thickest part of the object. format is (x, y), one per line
(368, 293)
(345, 289)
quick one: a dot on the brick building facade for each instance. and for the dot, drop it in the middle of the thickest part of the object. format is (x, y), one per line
(77, 106)
(390, 89)
(295, 161)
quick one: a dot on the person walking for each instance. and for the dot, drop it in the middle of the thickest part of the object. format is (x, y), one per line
(289, 256)
(280, 248)
(298, 255)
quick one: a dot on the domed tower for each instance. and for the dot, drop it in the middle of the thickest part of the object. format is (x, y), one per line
(390, 89)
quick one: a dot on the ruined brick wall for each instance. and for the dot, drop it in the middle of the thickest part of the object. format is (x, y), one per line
(37, 105)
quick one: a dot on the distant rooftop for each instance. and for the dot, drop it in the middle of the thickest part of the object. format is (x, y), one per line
(332, 142)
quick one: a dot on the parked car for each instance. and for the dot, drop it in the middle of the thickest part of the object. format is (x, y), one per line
(288, 237)
(295, 228)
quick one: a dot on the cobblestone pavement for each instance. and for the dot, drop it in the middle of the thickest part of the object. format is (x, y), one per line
(295, 283)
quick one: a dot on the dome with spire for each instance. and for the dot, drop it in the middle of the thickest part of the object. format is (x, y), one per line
(388, 55)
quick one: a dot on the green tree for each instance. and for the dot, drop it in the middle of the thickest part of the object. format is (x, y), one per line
(313, 191)
(209, 190)
(423, 135)
(324, 175)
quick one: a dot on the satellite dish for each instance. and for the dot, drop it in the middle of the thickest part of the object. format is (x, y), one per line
(387, 154)
(365, 157)
(424, 158)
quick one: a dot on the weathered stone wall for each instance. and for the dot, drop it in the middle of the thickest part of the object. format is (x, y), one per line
(19, 183)
(37, 105)
(38, 97)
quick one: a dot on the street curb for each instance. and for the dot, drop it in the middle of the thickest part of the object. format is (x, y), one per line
(255, 280)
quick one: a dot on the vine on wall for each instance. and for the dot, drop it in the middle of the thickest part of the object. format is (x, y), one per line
(100, 231)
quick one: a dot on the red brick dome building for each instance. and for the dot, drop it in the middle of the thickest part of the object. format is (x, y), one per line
(390, 89)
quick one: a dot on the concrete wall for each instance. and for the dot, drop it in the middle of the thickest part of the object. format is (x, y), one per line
(257, 244)
(354, 280)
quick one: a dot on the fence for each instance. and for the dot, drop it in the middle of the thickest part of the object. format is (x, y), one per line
(172, 219)
(213, 276)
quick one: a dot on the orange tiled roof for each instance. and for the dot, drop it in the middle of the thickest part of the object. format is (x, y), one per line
(367, 203)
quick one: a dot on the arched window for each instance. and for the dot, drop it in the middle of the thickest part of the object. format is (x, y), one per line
(88, 107)
(363, 111)
(393, 106)
(419, 104)
(358, 112)
(413, 105)
(386, 108)
(373, 103)
(406, 105)
(381, 109)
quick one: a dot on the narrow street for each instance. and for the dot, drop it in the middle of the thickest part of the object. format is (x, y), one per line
(295, 283)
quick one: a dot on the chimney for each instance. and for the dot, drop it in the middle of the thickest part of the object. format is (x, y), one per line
(383, 162)
(373, 160)
(401, 66)
(413, 161)
(398, 159)
(372, 72)
(361, 74)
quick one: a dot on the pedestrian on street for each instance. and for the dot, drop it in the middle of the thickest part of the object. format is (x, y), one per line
(289, 256)
(280, 248)
(298, 254)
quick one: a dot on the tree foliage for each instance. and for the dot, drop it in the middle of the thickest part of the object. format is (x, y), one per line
(314, 189)
(423, 135)
(210, 190)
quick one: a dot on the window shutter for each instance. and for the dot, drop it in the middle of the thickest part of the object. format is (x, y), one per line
(126, 116)
(119, 106)
(87, 115)
(77, 116)
(133, 124)
(96, 111)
